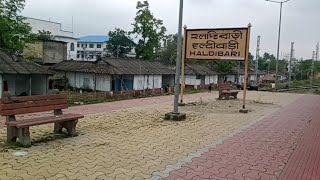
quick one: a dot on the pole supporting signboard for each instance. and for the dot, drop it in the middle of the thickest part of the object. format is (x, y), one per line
(245, 84)
(183, 68)
(223, 44)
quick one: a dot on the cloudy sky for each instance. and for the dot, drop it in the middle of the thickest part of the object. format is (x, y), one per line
(93, 17)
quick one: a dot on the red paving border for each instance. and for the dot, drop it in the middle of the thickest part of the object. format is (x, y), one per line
(304, 163)
(262, 150)
(119, 105)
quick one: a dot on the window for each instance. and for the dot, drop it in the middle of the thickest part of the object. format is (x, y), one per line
(91, 55)
(90, 45)
(78, 55)
(78, 45)
(98, 45)
(82, 45)
(72, 47)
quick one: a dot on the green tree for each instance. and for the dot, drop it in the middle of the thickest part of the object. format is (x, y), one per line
(120, 43)
(223, 66)
(302, 70)
(150, 31)
(14, 33)
(169, 53)
(44, 35)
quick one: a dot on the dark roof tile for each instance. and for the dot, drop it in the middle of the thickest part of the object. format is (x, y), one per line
(12, 64)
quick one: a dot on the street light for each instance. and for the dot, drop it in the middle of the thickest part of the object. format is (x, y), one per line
(277, 63)
(176, 115)
(178, 63)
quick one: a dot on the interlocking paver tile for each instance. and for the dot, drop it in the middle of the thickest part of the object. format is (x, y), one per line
(137, 140)
(267, 145)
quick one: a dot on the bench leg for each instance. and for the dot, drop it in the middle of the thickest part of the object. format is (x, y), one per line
(12, 134)
(227, 97)
(24, 136)
(57, 128)
(235, 95)
(71, 127)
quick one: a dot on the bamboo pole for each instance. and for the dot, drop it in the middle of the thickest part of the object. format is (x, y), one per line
(244, 110)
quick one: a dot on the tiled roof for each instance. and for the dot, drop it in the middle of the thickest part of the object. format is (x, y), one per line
(197, 69)
(12, 64)
(114, 66)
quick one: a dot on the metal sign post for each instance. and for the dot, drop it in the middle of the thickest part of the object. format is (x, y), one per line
(183, 68)
(176, 115)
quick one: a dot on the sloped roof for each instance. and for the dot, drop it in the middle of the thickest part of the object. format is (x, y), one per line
(234, 71)
(114, 66)
(94, 39)
(82, 66)
(134, 66)
(196, 69)
(11, 64)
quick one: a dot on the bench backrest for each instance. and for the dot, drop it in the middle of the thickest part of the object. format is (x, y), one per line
(224, 86)
(31, 104)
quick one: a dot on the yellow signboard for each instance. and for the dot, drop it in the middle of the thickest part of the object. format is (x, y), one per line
(217, 44)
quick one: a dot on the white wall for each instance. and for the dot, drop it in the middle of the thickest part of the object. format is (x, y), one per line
(39, 25)
(141, 82)
(103, 82)
(70, 54)
(1, 85)
(71, 78)
(231, 78)
(56, 30)
(211, 79)
(17, 84)
(80, 80)
(192, 80)
(39, 85)
(86, 49)
(241, 79)
(86, 80)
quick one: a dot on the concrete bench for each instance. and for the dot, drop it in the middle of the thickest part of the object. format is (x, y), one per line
(225, 91)
(12, 106)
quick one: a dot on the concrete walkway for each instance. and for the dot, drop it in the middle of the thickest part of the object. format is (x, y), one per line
(138, 144)
(117, 105)
(284, 145)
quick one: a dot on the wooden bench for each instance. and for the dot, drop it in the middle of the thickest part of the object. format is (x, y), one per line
(12, 106)
(225, 91)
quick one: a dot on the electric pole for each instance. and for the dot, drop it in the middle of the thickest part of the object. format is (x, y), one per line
(257, 59)
(317, 52)
(290, 63)
(312, 67)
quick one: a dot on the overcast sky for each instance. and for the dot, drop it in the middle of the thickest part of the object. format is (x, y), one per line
(94, 17)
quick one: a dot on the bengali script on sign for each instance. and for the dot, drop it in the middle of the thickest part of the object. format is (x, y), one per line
(217, 44)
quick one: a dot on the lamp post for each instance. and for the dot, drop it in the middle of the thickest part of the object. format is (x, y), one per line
(279, 35)
(176, 115)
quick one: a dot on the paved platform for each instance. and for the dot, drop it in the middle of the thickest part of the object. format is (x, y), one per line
(279, 139)
(284, 145)
(118, 105)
